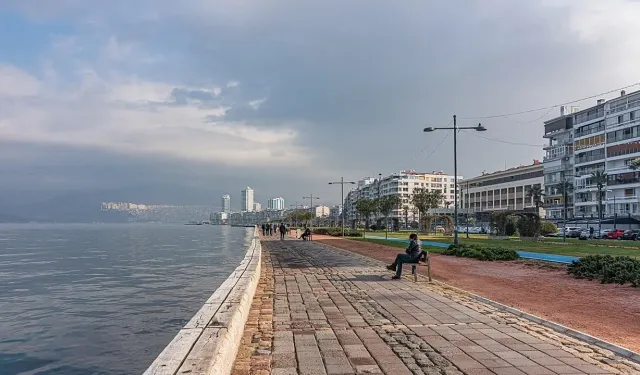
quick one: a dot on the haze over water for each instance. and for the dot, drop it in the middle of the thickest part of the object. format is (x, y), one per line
(104, 299)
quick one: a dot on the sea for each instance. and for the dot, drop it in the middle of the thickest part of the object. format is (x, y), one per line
(80, 299)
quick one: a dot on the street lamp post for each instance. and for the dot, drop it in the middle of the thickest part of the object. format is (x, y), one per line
(455, 129)
(311, 198)
(342, 182)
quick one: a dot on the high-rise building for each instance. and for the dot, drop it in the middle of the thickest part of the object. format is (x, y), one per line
(322, 211)
(606, 139)
(257, 207)
(558, 164)
(275, 204)
(226, 203)
(247, 200)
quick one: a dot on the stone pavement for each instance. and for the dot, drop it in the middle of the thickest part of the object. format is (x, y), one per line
(321, 310)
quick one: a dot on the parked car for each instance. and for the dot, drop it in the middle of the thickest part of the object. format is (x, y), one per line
(615, 234)
(602, 234)
(630, 234)
(573, 232)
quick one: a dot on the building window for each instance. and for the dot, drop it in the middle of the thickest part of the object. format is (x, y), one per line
(632, 116)
(620, 118)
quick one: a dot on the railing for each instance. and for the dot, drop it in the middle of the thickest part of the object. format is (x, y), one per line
(588, 131)
(617, 200)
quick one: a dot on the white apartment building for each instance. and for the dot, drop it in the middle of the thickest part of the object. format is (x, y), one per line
(275, 204)
(247, 200)
(226, 203)
(403, 185)
(322, 211)
(257, 207)
(501, 190)
(607, 138)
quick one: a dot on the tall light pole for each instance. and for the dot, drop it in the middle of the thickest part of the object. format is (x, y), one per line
(311, 198)
(342, 182)
(455, 129)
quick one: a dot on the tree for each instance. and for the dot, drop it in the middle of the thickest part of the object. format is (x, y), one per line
(386, 205)
(405, 210)
(565, 189)
(599, 178)
(535, 193)
(424, 199)
(366, 207)
(634, 164)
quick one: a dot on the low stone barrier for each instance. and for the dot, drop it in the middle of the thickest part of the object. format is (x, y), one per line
(208, 344)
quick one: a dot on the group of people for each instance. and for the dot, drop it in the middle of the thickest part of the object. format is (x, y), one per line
(270, 229)
(413, 254)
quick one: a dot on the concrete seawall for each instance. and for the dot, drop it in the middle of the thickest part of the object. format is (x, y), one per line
(209, 342)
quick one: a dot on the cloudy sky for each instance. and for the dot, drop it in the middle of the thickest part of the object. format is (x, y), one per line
(286, 95)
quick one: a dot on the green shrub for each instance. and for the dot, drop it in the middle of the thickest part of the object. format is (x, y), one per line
(337, 232)
(547, 227)
(510, 229)
(490, 253)
(608, 269)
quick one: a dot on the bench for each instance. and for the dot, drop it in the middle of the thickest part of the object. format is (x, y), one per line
(414, 269)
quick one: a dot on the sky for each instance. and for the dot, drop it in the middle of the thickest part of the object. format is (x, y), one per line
(284, 95)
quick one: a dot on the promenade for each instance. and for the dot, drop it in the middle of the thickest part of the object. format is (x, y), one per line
(322, 310)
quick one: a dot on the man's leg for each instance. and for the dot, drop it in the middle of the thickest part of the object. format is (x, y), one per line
(400, 259)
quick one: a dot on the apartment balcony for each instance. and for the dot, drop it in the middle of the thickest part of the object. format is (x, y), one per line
(620, 169)
(627, 199)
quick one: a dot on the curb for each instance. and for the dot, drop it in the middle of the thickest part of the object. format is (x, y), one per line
(209, 342)
(619, 350)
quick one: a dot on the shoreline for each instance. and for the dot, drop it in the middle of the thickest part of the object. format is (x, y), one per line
(208, 343)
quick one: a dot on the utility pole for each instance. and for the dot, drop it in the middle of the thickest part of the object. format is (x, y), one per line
(311, 198)
(342, 182)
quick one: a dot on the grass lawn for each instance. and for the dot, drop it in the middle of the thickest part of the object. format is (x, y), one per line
(572, 248)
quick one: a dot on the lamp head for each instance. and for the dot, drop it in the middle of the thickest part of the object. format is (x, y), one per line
(480, 128)
(428, 130)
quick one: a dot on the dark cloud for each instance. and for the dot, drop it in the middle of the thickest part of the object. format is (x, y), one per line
(359, 80)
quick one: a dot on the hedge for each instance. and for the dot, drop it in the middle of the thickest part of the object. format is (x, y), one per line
(608, 269)
(481, 252)
(337, 232)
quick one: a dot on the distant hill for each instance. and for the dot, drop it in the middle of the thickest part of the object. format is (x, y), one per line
(84, 206)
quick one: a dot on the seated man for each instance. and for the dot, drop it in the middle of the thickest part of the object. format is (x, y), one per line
(413, 253)
(306, 234)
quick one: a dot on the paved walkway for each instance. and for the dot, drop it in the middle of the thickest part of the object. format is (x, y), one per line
(321, 310)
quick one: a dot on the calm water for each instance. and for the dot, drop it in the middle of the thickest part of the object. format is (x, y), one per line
(104, 299)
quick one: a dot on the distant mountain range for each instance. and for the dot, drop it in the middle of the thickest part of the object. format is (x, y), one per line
(84, 206)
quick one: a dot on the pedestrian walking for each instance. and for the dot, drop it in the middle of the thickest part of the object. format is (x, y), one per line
(283, 230)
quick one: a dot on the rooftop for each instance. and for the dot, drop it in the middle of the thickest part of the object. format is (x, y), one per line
(535, 163)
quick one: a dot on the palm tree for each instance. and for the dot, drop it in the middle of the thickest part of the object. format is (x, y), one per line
(565, 188)
(599, 178)
(535, 193)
